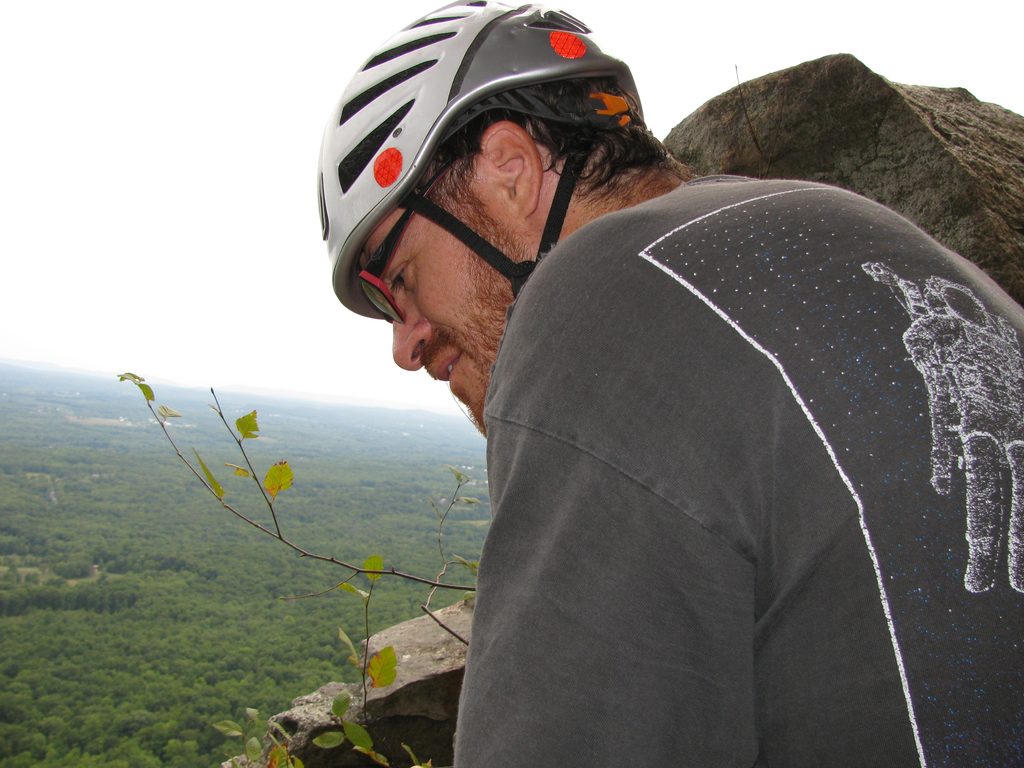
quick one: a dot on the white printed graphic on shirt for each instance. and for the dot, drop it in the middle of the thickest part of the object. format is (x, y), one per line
(974, 373)
(648, 255)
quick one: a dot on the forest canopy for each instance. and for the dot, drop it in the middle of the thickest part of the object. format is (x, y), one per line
(135, 612)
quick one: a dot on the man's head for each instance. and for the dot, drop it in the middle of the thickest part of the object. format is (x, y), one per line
(450, 165)
(451, 302)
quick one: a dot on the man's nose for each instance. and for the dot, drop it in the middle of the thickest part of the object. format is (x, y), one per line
(409, 339)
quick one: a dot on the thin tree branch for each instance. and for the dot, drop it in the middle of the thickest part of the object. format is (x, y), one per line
(750, 126)
(435, 583)
(366, 632)
(444, 626)
(321, 593)
(252, 470)
(445, 562)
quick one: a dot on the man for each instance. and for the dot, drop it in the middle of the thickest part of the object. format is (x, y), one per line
(755, 449)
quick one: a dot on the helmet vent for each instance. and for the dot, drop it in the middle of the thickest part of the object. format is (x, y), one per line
(437, 20)
(371, 94)
(356, 161)
(562, 22)
(324, 225)
(401, 50)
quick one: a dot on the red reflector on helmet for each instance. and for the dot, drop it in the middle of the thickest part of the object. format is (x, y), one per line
(387, 167)
(567, 45)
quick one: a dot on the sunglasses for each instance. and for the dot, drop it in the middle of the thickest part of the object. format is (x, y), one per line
(371, 277)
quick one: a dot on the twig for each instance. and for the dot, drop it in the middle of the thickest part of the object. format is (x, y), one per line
(252, 470)
(445, 562)
(366, 631)
(321, 593)
(435, 583)
(444, 626)
(442, 518)
(750, 125)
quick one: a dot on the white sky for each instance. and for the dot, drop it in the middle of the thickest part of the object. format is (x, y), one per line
(157, 162)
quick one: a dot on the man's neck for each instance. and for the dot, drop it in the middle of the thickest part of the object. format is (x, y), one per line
(639, 189)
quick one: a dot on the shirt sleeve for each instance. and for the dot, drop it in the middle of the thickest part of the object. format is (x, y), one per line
(610, 628)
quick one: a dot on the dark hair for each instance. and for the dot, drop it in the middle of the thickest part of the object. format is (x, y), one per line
(611, 150)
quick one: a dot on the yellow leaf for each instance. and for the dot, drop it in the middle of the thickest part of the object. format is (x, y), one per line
(217, 488)
(279, 478)
(247, 426)
(382, 668)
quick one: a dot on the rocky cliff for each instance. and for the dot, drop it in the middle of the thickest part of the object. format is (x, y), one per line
(948, 162)
(417, 709)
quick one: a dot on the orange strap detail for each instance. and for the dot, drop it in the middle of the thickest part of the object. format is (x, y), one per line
(613, 105)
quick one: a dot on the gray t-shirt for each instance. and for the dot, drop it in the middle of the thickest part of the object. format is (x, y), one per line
(756, 461)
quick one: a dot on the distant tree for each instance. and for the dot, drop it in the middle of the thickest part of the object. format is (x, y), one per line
(377, 669)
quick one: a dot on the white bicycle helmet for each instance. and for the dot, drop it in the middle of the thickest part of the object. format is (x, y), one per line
(420, 86)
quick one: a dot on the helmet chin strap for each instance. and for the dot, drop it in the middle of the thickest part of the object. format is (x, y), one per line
(516, 272)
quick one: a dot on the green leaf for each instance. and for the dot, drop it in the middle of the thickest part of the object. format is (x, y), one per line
(357, 735)
(276, 726)
(239, 471)
(411, 754)
(217, 488)
(471, 565)
(460, 477)
(466, 500)
(253, 748)
(251, 713)
(297, 762)
(374, 563)
(147, 391)
(340, 704)
(378, 758)
(247, 426)
(279, 478)
(330, 739)
(383, 667)
(354, 590)
(229, 728)
(353, 658)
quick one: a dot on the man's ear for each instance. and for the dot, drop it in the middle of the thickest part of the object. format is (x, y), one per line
(510, 171)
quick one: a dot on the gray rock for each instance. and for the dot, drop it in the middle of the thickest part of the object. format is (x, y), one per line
(430, 666)
(950, 163)
(419, 708)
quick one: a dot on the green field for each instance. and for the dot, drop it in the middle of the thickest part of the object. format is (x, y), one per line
(135, 611)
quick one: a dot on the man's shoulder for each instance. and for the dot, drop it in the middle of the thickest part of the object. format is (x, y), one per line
(606, 241)
(694, 199)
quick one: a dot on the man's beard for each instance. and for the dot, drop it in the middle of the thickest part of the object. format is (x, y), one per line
(482, 318)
